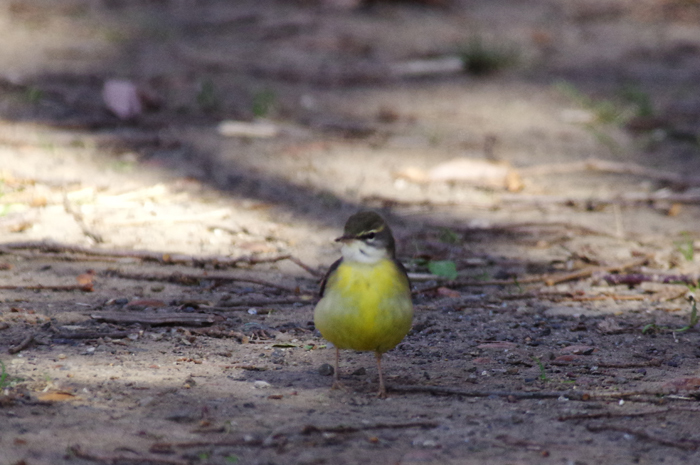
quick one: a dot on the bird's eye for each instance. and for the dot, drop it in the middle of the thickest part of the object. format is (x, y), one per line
(370, 236)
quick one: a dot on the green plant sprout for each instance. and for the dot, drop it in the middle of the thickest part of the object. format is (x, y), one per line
(444, 268)
(605, 111)
(5, 380)
(543, 373)
(481, 59)
(447, 236)
(3, 376)
(207, 98)
(264, 102)
(639, 99)
(686, 246)
(693, 320)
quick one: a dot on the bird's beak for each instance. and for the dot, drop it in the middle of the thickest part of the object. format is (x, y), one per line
(345, 239)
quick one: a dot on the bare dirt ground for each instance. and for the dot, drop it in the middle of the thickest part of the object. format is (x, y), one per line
(158, 276)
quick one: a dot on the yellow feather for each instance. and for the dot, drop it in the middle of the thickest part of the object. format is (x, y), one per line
(366, 306)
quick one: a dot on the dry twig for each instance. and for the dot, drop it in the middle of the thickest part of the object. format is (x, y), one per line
(39, 287)
(685, 444)
(571, 395)
(26, 342)
(609, 414)
(633, 279)
(155, 319)
(78, 217)
(191, 279)
(78, 452)
(164, 258)
(596, 164)
(590, 362)
(308, 429)
(92, 335)
(587, 272)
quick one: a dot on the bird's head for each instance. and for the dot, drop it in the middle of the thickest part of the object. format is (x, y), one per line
(367, 238)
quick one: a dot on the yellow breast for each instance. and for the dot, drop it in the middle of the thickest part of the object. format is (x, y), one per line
(365, 306)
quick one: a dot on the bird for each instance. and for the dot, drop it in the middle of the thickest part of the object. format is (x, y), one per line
(365, 300)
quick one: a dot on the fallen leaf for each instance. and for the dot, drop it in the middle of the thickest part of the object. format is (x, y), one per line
(412, 174)
(86, 278)
(474, 171)
(674, 209)
(567, 358)
(497, 345)
(56, 396)
(610, 326)
(447, 292)
(578, 350)
(471, 171)
(144, 303)
(683, 384)
(256, 129)
(39, 201)
(121, 97)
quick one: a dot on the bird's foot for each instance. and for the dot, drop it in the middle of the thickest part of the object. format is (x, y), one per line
(338, 385)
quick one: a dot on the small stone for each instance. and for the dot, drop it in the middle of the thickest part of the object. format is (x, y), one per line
(259, 384)
(181, 417)
(359, 372)
(326, 370)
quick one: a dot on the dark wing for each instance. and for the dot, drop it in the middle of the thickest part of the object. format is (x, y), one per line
(400, 266)
(333, 267)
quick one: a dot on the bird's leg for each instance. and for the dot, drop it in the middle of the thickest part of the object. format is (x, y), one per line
(336, 373)
(382, 391)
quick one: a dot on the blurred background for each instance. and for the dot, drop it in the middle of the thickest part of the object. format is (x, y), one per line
(290, 115)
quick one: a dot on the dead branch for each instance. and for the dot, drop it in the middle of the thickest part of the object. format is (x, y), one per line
(518, 442)
(549, 280)
(191, 279)
(66, 258)
(26, 342)
(596, 164)
(627, 198)
(304, 266)
(222, 334)
(155, 319)
(478, 283)
(651, 363)
(608, 414)
(683, 443)
(92, 335)
(235, 306)
(571, 395)
(587, 272)
(590, 298)
(308, 429)
(164, 258)
(39, 287)
(480, 393)
(634, 279)
(78, 218)
(77, 451)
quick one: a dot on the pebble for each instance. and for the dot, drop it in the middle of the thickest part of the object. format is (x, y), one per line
(326, 370)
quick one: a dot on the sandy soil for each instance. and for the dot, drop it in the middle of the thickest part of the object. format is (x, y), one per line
(158, 278)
